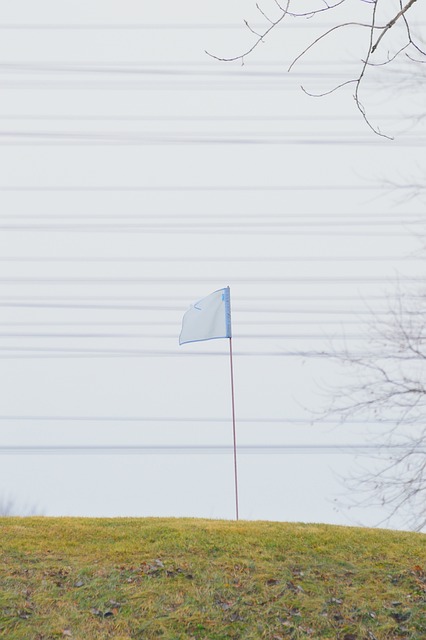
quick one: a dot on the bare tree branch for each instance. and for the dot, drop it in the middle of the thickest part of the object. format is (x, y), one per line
(392, 22)
(388, 385)
(375, 43)
(263, 13)
(325, 35)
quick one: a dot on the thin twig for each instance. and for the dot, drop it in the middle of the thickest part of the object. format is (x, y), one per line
(263, 13)
(324, 35)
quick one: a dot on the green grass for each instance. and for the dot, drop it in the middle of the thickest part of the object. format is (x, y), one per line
(199, 579)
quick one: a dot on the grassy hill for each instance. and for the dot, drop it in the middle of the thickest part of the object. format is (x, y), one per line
(194, 579)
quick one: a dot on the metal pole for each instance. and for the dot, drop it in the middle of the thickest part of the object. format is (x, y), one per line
(234, 429)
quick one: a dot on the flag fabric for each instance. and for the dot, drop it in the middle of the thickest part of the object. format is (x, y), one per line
(208, 319)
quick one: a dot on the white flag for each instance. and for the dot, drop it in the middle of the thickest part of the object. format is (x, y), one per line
(207, 319)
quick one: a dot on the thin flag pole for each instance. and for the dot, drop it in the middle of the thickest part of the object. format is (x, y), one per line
(234, 431)
(208, 319)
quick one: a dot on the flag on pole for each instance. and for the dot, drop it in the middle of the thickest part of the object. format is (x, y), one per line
(207, 319)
